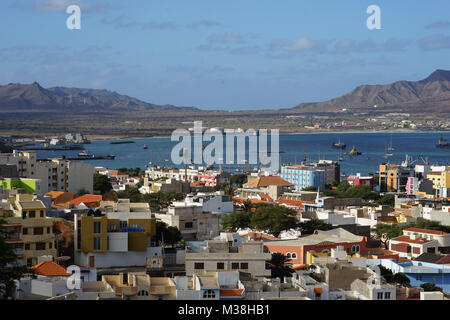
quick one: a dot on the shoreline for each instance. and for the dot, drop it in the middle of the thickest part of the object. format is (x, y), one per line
(98, 137)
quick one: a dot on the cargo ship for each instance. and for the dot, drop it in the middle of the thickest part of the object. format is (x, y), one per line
(84, 155)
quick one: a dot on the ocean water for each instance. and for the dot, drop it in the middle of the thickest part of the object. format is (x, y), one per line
(294, 148)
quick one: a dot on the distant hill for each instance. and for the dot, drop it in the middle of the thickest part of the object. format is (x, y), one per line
(428, 95)
(16, 96)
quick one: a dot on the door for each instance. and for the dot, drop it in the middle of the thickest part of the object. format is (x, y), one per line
(92, 261)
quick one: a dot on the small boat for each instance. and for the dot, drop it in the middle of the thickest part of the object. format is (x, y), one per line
(442, 143)
(145, 147)
(353, 152)
(339, 145)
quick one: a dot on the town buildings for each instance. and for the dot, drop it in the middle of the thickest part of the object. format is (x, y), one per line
(191, 220)
(227, 253)
(115, 239)
(32, 230)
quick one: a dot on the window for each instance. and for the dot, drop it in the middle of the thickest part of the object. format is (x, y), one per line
(27, 246)
(48, 229)
(188, 225)
(288, 255)
(25, 231)
(50, 245)
(122, 224)
(143, 293)
(244, 265)
(294, 255)
(380, 296)
(38, 231)
(220, 265)
(24, 214)
(199, 266)
(97, 227)
(32, 214)
(387, 295)
(97, 243)
(235, 265)
(209, 294)
(111, 227)
(42, 213)
(40, 246)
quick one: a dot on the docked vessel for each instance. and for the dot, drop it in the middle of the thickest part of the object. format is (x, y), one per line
(85, 155)
(145, 146)
(442, 143)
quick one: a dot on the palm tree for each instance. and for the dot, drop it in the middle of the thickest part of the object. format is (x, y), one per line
(279, 267)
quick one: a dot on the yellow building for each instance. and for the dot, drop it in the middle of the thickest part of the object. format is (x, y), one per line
(439, 179)
(393, 177)
(35, 229)
(115, 239)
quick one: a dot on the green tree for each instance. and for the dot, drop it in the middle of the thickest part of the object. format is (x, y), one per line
(133, 194)
(102, 183)
(278, 266)
(430, 287)
(239, 179)
(274, 219)
(237, 220)
(308, 227)
(168, 234)
(247, 205)
(387, 200)
(402, 279)
(10, 270)
(312, 188)
(386, 232)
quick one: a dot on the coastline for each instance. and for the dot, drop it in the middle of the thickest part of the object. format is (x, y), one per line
(99, 137)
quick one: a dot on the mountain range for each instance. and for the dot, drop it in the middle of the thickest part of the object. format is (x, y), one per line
(430, 95)
(16, 96)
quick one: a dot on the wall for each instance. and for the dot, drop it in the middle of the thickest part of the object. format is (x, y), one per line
(118, 259)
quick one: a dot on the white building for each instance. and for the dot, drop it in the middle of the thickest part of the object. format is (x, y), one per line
(189, 218)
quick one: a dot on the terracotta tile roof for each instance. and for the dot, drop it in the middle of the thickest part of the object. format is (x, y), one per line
(86, 199)
(418, 230)
(61, 197)
(266, 197)
(409, 240)
(444, 260)
(231, 292)
(266, 181)
(290, 202)
(116, 173)
(50, 269)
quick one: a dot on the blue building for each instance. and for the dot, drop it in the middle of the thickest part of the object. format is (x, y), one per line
(418, 272)
(303, 177)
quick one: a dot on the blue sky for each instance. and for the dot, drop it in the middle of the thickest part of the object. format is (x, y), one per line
(233, 54)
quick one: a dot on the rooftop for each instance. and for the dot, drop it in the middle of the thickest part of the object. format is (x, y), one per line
(428, 231)
(266, 181)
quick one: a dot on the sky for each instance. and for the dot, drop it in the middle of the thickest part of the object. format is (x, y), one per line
(231, 55)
